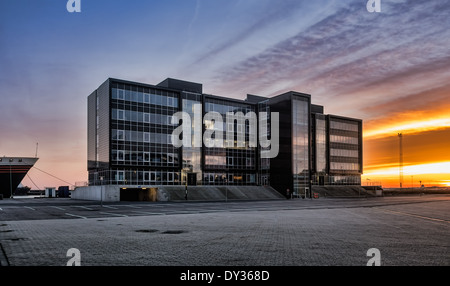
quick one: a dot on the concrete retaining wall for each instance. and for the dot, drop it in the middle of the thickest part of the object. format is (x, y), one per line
(92, 193)
(177, 193)
(219, 193)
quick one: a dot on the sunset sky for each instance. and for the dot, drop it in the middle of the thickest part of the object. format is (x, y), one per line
(391, 69)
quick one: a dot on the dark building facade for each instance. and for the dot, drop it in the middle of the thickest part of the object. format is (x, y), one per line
(130, 131)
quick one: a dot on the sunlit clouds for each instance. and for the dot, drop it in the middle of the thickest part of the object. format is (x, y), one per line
(390, 69)
(415, 126)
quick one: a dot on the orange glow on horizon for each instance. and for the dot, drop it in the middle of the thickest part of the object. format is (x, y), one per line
(411, 127)
(426, 148)
(432, 168)
(431, 174)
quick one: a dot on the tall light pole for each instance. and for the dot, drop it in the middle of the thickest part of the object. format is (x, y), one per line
(10, 178)
(101, 191)
(400, 136)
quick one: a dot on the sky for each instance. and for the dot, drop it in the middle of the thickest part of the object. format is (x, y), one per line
(390, 69)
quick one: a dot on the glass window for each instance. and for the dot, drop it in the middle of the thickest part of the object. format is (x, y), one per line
(146, 98)
(146, 117)
(120, 155)
(114, 93)
(215, 160)
(120, 114)
(344, 126)
(146, 137)
(321, 145)
(146, 156)
(300, 144)
(121, 94)
(120, 176)
(120, 135)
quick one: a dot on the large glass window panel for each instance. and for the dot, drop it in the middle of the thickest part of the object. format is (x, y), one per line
(321, 145)
(120, 155)
(146, 117)
(121, 135)
(344, 126)
(120, 176)
(300, 145)
(146, 137)
(121, 94)
(146, 156)
(121, 114)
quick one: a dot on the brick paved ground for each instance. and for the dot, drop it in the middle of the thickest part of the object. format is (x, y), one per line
(322, 236)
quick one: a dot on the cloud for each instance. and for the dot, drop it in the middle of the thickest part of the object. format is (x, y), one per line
(349, 51)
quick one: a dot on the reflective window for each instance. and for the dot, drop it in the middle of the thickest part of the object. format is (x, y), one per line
(215, 160)
(120, 155)
(344, 153)
(300, 144)
(344, 139)
(149, 97)
(344, 126)
(321, 145)
(146, 137)
(344, 166)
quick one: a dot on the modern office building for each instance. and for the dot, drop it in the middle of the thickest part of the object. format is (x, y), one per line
(336, 150)
(130, 139)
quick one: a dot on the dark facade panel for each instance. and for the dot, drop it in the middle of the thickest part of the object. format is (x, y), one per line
(345, 147)
(316, 109)
(281, 168)
(103, 130)
(92, 131)
(182, 85)
(255, 98)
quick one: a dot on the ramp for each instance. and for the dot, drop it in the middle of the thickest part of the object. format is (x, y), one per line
(217, 193)
(342, 191)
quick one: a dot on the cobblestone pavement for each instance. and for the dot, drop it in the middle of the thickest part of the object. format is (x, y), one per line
(405, 234)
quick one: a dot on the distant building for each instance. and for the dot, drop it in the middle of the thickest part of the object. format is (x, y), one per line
(129, 140)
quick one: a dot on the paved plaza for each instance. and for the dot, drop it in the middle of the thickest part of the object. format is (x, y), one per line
(410, 231)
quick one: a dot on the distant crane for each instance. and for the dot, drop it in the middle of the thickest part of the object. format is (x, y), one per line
(400, 136)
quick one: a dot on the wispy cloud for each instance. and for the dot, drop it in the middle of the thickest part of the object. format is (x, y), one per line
(352, 50)
(382, 67)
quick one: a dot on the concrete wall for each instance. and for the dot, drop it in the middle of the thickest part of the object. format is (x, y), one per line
(92, 193)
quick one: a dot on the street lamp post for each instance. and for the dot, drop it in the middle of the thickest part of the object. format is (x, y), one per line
(101, 191)
(10, 179)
